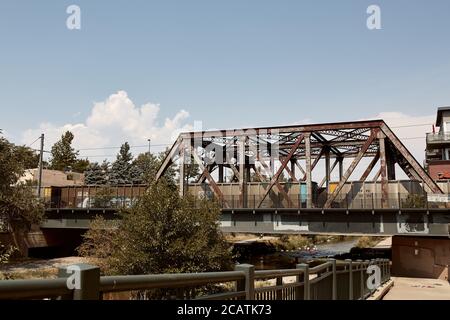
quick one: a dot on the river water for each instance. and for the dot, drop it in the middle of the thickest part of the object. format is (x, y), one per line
(288, 260)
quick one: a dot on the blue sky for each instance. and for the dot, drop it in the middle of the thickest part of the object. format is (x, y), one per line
(226, 63)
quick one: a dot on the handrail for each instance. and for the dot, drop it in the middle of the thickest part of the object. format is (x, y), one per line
(33, 289)
(92, 286)
(137, 282)
(268, 274)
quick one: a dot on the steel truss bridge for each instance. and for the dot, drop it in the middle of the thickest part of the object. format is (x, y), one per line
(263, 180)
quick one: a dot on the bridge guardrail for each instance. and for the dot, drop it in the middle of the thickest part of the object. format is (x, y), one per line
(329, 280)
(361, 200)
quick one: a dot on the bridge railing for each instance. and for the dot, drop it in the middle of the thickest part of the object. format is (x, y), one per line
(327, 280)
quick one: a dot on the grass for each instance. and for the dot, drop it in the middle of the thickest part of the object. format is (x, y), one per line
(47, 273)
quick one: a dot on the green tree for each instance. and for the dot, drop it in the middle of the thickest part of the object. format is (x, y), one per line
(122, 170)
(81, 165)
(164, 233)
(29, 157)
(19, 207)
(96, 174)
(192, 170)
(63, 155)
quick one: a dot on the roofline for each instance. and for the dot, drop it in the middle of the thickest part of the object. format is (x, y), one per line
(439, 115)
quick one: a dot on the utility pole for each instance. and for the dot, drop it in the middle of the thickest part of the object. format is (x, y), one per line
(41, 165)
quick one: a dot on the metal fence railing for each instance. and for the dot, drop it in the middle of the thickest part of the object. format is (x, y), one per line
(122, 197)
(326, 280)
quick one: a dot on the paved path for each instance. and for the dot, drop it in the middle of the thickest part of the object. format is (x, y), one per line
(418, 289)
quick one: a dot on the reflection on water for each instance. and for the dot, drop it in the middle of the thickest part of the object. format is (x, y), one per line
(288, 260)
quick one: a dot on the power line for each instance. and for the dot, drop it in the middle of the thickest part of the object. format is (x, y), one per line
(139, 146)
(413, 125)
(34, 142)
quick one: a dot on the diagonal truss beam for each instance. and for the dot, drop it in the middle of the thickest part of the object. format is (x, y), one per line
(316, 161)
(377, 176)
(283, 166)
(331, 170)
(291, 174)
(279, 186)
(168, 159)
(211, 181)
(352, 167)
(411, 160)
(370, 167)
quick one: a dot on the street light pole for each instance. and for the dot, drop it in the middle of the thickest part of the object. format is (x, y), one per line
(41, 166)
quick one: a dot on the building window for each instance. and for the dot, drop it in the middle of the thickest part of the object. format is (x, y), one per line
(447, 127)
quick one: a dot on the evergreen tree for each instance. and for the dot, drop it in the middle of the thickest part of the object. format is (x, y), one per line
(81, 165)
(95, 175)
(147, 166)
(122, 171)
(63, 155)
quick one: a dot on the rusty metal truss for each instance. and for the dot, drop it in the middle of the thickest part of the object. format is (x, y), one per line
(243, 151)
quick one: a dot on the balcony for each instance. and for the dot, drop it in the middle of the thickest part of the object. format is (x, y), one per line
(438, 138)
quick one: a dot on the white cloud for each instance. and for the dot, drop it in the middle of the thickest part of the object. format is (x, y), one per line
(114, 121)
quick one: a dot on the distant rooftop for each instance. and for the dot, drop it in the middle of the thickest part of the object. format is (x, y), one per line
(439, 114)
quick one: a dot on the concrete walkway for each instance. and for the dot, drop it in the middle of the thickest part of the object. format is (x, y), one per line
(418, 289)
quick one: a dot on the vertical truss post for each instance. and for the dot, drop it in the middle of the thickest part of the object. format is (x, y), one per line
(352, 167)
(341, 167)
(308, 169)
(274, 180)
(293, 167)
(182, 170)
(383, 170)
(220, 173)
(242, 171)
(327, 169)
(390, 163)
(414, 166)
(331, 170)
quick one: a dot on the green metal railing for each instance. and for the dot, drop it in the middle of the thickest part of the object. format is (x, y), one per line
(329, 280)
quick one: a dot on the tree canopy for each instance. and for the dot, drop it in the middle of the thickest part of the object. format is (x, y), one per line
(65, 157)
(18, 205)
(162, 233)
